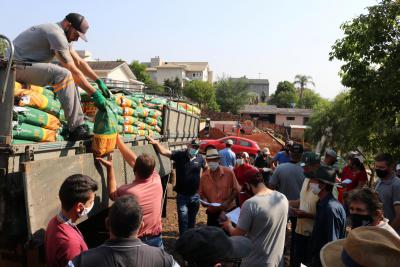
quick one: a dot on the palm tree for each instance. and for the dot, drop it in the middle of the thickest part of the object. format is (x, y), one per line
(302, 81)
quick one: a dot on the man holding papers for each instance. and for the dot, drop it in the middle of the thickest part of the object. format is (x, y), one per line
(218, 188)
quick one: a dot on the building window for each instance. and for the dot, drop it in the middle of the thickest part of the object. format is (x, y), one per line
(306, 119)
(290, 118)
(194, 74)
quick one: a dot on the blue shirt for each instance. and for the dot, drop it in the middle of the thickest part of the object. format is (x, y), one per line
(281, 157)
(228, 158)
(330, 225)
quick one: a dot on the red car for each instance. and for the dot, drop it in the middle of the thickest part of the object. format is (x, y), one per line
(240, 144)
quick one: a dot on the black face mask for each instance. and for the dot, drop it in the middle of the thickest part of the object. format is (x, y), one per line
(381, 173)
(358, 220)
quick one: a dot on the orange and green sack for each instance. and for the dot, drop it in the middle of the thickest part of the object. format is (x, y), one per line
(155, 114)
(29, 132)
(33, 99)
(128, 111)
(141, 112)
(129, 120)
(38, 118)
(105, 131)
(130, 129)
(150, 121)
(42, 90)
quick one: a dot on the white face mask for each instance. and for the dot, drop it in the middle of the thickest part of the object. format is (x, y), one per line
(240, 161)
(315, 188)
(86, 210)
(213, 165)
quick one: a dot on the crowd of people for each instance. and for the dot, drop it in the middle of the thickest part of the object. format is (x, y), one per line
(332, 214)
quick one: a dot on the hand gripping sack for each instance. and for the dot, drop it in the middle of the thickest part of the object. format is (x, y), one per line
(105, 131)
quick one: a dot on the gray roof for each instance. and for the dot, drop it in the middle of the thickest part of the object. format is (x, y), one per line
(271, 109)
(105, 65)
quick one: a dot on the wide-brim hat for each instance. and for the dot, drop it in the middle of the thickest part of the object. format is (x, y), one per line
(366, 246)
(324, 174)
(209, 244)
(212, 153)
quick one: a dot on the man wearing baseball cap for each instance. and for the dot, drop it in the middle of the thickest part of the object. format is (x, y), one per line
(38, 46)
(304, 209)
(228, 157)
(330, 217)
(210, 247)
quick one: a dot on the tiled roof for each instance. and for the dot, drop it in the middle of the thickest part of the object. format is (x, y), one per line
(105, 65)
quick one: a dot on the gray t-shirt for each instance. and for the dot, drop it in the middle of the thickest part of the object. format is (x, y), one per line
(288, 178)
(389, 193)
(264, 217)
(39, 43)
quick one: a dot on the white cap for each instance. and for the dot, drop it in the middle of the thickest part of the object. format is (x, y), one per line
(246, 155)
(397, 167)
(229, 142)
(265, 151)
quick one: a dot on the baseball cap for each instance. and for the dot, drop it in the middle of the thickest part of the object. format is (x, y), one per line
(265, 151)
(364, 246)
(210, 244)
(325, 174)
(229, 142)
(309, 158)
(397, 167)
(195, 143)
(331, 152)
(296, 148)
(79, 23)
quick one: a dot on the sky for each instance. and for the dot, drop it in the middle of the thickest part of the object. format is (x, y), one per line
(266, 39)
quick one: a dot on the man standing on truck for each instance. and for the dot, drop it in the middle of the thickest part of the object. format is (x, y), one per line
(38, 46)
(189, 165)
(63, 240)
(146, 188)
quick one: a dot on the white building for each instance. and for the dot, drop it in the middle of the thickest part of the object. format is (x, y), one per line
(185, 71)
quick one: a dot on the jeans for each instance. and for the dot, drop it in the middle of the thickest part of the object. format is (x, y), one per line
(301, 250)
(154, 241)
(293, 221)
(187, 207)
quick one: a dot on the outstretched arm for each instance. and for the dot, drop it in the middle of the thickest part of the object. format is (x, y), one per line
(126, 152)
(162, 150)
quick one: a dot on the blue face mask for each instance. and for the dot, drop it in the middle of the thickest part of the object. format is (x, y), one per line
(193, 152)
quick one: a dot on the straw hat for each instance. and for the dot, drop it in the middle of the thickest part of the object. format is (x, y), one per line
(368, 246)
(212, 153)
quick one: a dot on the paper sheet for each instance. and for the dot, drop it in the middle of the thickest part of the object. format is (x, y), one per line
(234, 215)
(214, 204)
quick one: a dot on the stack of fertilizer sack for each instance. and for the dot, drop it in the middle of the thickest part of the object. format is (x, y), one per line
(37, 115)
(135, 115)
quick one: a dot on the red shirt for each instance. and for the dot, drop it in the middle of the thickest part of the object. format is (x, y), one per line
(242, 179)
(240, 171)
(148, 193)
(63, 242)
(357, 178)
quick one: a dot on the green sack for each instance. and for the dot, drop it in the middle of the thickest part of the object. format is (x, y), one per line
(115, 108)
(120, 120)
(36, 100)
(33, 133)
(141, 112)
(105, 130)
(90, 126)
(21, 142)
(38, 118)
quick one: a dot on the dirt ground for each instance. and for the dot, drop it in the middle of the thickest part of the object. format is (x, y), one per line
(264, 140)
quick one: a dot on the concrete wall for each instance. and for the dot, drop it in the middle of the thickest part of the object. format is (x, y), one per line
(259, 88)
(163, 74)
(282, 120)
(198, 75)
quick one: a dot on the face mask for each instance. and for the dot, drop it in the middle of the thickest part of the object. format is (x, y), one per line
(86, 210)
(315, 188)
(358, 220)
(213, 165)
(381, 173)
(240, 161)
(192, 152)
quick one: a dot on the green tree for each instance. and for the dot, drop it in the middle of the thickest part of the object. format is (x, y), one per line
(232, 95)
(312, 100)
(302, 81)
(285, 95)
(203, 93)
(3, 47)
(141, 75)
(175, 85)
(370, 51)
